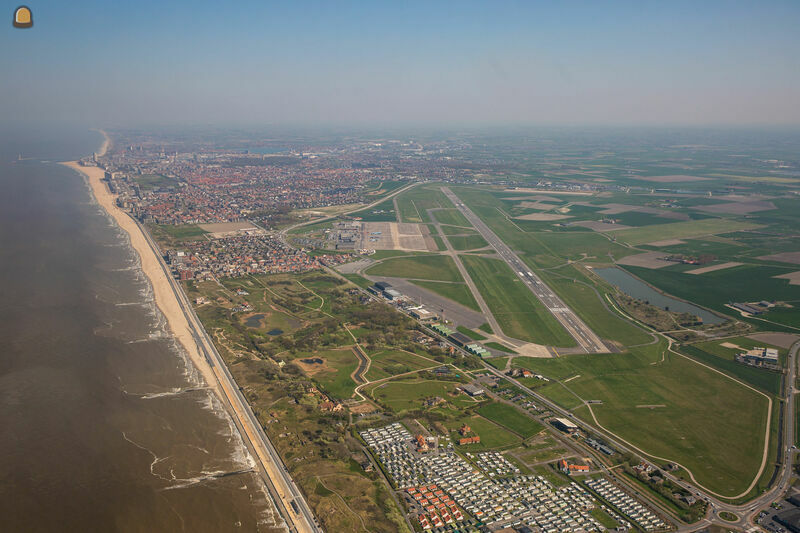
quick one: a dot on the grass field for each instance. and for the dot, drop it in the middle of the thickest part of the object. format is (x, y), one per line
(452, 217)
(336, 379)
(499, 347)
(517, 310)
(765, 380)
(148, 182)
(511, 418)
(430, 267)
(458, 230)
(382, 212)
(458, 292)
(589, 307)
(541, 248)
(392, 362)
(701, 410)
(404, 395)
(474, 335)
(361, 281)
(171, 234)
(492, 435)
(678, 230)
(467, 242)
(414, 203)
(716, 348)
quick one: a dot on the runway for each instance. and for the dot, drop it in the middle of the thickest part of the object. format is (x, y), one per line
(583, 335)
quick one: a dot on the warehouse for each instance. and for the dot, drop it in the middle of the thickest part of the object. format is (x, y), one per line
(562, 424)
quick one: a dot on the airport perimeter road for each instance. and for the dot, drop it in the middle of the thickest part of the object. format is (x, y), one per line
(783, 482)
(287, 497)
(584, 336)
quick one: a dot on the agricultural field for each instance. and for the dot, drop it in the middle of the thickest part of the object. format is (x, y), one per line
(682, 230)
(429, 267)
(668, 406)
(517, 310)
(745, 283)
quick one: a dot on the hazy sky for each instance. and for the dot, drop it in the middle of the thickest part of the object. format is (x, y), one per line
(557, 62)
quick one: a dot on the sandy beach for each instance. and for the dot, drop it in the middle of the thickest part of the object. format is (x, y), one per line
(162, 291)
(282, 487)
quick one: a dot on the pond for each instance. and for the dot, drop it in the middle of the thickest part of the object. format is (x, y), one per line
(635, 288)
(275, 332)
(312, 361)
(254, 321)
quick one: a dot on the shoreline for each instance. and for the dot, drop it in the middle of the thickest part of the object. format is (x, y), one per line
(164, 297)
(170, 300)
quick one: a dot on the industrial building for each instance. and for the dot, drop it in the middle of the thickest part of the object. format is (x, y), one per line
(763, 357)
(472, 390)
(562, 424)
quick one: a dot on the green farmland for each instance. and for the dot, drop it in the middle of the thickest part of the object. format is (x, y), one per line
(682, 230)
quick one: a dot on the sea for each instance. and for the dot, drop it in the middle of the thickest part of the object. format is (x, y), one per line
(104, 423)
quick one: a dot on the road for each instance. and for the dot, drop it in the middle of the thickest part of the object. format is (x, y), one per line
(287, 497)
(583, 335)
(746, 512)
(282, 233)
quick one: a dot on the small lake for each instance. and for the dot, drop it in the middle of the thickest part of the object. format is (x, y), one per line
(275, 332)
(254, 321)
(642, 291)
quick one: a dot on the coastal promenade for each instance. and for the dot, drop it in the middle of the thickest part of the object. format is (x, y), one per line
(186, 327)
